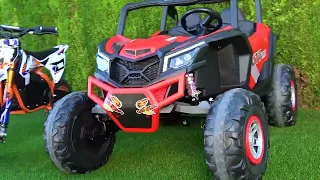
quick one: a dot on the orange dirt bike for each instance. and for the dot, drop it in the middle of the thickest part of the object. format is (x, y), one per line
(24, 87)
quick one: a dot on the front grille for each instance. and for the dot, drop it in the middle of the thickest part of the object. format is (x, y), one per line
(137, 73)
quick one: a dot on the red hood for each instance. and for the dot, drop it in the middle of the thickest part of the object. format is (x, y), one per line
(138, 48)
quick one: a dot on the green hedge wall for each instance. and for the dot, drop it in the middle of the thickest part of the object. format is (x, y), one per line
(83, 24)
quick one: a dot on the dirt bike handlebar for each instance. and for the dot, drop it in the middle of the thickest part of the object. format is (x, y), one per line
(48, 29)
(17, 32)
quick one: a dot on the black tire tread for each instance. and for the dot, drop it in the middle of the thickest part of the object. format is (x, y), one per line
(58, 121)
(218, 157)
(62, 82)
(278, 102)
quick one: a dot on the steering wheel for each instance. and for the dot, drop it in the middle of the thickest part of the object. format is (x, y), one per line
(205, 26)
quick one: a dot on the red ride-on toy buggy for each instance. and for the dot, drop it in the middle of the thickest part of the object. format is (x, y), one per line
(220, 67)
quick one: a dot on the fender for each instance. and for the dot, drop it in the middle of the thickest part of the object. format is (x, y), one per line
(56, 62)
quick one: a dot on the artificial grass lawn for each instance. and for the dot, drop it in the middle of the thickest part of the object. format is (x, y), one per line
(174, 152)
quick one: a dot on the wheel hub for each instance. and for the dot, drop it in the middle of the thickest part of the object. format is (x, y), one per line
(293, 96)
(99, 131)
(90, 134)
(254, 140)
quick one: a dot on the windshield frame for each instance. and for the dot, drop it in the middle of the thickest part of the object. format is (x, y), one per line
(168, 7)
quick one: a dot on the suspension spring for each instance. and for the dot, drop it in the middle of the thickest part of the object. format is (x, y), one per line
(192, 87)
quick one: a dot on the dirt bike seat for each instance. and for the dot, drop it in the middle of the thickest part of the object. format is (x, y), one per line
(40, 55)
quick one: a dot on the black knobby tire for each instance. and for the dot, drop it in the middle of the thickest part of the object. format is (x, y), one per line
(62, 85)
(226, 143)
(44, 134)
(68, 149)
(281, 103)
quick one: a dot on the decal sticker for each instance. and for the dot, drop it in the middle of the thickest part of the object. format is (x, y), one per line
(6, 54)
(258, 56)
(35, 63)
(113, 104)
(5, 112)
(10, 42)
(144, 108)
(171, 39)
(7, 51)
(25, 71)
(255, 73)
(58, 66)
(60, 52)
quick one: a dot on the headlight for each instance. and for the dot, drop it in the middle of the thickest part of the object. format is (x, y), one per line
(103, 62)
(183, 59)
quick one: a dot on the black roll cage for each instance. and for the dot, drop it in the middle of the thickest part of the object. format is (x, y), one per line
(170, 10)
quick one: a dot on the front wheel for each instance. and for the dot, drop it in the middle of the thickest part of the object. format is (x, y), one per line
(61, 89)
(236, 136)
(77, 141)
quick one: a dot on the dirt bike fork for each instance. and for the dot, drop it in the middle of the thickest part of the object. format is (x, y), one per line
(6, 104)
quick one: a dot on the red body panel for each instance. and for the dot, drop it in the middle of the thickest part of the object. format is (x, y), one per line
(259, 41)
(156, 33)
(154, 43)
(116, 39)
(150, 92)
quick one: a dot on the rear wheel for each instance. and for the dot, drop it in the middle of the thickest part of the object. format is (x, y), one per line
(77, 141)
(236, 136)
(61, 89)
(282, 100)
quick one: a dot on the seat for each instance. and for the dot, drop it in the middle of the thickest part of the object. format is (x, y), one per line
(40, 55)
(245, 26)
(191, 20)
